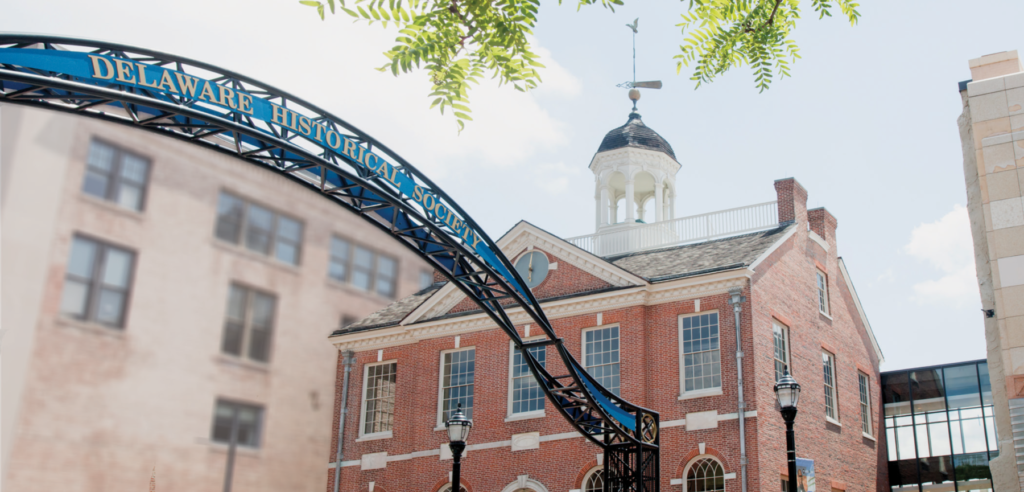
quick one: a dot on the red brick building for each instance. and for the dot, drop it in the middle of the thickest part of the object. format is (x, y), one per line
(656, 323)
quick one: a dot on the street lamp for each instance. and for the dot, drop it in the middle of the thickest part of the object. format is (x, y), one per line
(458, 432)
(787, 392)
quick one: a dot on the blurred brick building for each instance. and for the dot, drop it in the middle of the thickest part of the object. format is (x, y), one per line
(649, 304)
(154, 294)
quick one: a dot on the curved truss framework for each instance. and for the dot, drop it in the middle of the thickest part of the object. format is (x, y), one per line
(227, 112)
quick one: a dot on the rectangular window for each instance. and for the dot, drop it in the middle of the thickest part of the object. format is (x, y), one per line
(115, 175)
(248, 324)
(244, 421)
(347, 320)
(702, 366)
(526, 393)
(457, 370)
(97, 282)
(865, 402)
(363, 268)
(379, 398)
(387, 270)
(822, 292)
(831, 408)
(426, 279)
(601, 356)
(259, 229)
(340, 254)
(781, 333)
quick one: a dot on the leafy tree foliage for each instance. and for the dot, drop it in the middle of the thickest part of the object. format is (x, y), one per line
(461, 41)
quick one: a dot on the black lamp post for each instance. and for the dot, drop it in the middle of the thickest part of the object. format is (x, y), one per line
(458, 432)
(787, 392)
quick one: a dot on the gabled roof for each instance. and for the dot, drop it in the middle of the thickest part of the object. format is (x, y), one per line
(699, 258)
(623, 271)
(393, 313)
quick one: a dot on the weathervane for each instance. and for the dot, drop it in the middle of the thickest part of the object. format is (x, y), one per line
(634, 94)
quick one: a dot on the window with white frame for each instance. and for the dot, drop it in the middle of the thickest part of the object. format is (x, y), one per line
(594, 480)
(831, 403)
(601, 356)
(457, 370)
(705, 475)
(526, 395)
(700, 352)
(781, 336)
(378, 398)
(822, 291)
(865, 402)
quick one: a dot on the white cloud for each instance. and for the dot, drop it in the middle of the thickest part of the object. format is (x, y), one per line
(947, 246)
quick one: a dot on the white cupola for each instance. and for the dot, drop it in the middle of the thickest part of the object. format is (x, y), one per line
(635, 175)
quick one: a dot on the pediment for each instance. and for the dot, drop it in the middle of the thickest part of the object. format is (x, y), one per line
(574, 271)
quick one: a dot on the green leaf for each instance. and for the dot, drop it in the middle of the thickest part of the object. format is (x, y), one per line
(311, 3)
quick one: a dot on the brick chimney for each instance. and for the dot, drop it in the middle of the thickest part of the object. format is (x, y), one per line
(995, 65)
(823, 224)
(792, 200)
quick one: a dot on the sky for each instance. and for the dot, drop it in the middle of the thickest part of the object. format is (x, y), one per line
(867, 123)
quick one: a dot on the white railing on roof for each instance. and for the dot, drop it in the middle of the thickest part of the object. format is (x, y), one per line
(621, 239)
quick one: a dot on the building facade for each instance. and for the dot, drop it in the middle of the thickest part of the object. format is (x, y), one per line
(158, 295)
(992, 136)
(693, 322)
(940, 428)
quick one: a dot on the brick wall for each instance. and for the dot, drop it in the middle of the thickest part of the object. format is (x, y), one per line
(783, 286)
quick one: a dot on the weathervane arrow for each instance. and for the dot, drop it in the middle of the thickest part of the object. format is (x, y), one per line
(634, 94)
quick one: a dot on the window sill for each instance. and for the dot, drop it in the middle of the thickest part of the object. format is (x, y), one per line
(220, 447)
(347, 287)
(112, 207)
(91, 327)
(231, 360)
(525, 416)
(374, 437)
(700, 394)
(269, 260)
(869, 436)
(825, 315)
(833, 421)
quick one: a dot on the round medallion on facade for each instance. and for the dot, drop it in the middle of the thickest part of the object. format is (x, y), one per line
(533, 268)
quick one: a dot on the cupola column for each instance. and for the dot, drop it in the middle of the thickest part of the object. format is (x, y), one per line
(659, 205)
(630, 202)
(603, 206)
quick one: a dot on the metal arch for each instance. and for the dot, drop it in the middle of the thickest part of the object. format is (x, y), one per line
(373, 189)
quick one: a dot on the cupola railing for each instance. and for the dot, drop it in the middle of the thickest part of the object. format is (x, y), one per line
(624, 238)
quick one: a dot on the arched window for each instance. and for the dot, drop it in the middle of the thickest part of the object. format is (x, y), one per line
(594, 481)
(448, 488)
(705, 475)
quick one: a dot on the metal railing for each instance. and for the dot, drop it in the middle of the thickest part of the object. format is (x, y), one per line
(703, 227)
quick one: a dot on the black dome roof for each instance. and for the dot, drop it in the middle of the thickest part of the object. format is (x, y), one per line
(635, 134)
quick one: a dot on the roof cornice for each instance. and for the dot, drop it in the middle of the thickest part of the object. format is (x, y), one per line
(644, 295)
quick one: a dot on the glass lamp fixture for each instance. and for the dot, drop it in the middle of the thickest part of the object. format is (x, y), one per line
(458, 426)
(787, 391)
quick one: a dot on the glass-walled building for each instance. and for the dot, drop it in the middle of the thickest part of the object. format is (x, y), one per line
(939, 428)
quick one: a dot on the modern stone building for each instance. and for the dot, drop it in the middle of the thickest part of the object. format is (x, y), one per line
(694, 317)
(992, 136)
(155, 294)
